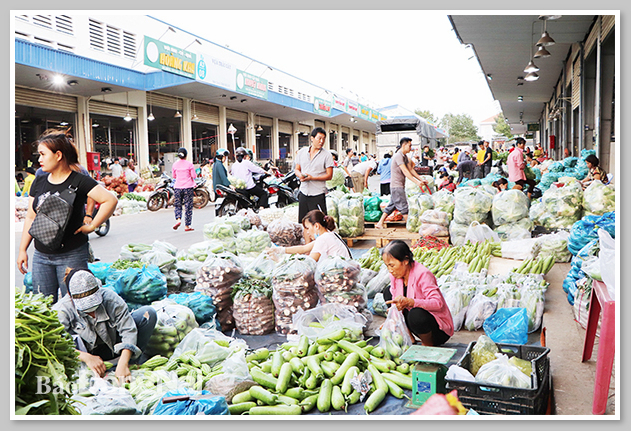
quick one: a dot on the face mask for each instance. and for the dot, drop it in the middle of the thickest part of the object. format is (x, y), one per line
(91, 309)
(316, 235)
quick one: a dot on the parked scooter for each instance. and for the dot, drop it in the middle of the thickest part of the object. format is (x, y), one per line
(164, 194)
(237, 199)
(104, 228)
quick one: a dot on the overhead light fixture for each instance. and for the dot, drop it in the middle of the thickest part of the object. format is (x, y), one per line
(194, 117)
(244, 100)
(106, 90)
(58, 80)
(127, 117)
(542, 53)
(63, 123)
(259, 129)
(233, 97)
(73, 83)
(549, 17)
(545, 40)
(489, 76)
(532, 76)
(520, 98)
(95, 125)
(150, 117)
(177, 109)
(531, 67)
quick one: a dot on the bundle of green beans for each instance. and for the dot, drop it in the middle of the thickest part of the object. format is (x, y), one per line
(297, 378)
(45, 358)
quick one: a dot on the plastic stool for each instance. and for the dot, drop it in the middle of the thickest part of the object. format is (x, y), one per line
(601, 301)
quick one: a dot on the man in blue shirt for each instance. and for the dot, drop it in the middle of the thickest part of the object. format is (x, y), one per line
(384, 170)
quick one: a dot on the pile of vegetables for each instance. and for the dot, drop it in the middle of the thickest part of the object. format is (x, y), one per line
(327, 374)
(471, 204)
(555, 245)
(511, 215)
(337, 179)
(116, 184)
(285, 233)
(215, 278)
(429, 242)
(293, 289)
(561, 206)
(434, 223)
(372, 210)
(134, 251)
(371, 259)
(599, 199)
(252, 242)
(417, 205)
(237, 183)
(441, 262)
(539, 265)
(201, 305)
(134, 197)
(43, 350)
(253, 310)
(444, 201)
(351, 214)
(337, 280)
(174, 323)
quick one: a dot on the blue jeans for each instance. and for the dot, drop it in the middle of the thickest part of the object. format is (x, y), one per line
(49, 270)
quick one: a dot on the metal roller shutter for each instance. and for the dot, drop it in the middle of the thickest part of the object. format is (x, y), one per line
(608, 22)
(164, 101)
(346, 130)
(590, 43)
(576, 84)
(319, 123)
(206, 113)
(285, 127)
(568, 73)
(264, 121)
(104, 108)
(303, 129)
(44, 99)
(236, 115)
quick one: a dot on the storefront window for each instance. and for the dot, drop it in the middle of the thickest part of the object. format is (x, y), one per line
(344, 141)
(303, 139)
(333, 141)
(204, 141)
(30, 123)
(113, 137)
(164, 133)
(284, 144)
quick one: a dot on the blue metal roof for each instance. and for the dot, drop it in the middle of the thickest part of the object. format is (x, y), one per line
(34, 55)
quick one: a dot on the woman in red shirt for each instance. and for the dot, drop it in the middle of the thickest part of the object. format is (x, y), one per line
(415, 292)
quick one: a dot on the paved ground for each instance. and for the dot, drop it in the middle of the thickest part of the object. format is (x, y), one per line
(573, 381)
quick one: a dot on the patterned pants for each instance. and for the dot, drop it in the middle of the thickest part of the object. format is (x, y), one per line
(184, 196)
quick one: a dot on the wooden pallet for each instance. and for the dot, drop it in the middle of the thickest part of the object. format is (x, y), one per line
(379, 235)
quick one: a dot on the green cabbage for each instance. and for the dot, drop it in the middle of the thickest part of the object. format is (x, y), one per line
(417, 205)
(337, 179)
(555, 244)
(351, 215)
(520, 229)
(564, 201)
(510, 206)
(444, 201)
(599, 199)
(472, 204)
(331, 208)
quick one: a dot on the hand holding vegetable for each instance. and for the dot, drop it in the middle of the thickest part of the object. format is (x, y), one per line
(122, 368)
(95, 363)
(402, 302)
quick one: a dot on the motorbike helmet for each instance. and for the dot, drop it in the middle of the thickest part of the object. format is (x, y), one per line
(334, 154)
(250, 154)
(181, 153)
(240, 151)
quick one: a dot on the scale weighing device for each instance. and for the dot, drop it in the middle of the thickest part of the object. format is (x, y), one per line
(428, 371)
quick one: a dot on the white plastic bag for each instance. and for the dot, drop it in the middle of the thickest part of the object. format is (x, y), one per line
(503, 373)
(328, 318)
(608, 261)
(521, 249)
(235, 371)
(480, 232)
(394, 335)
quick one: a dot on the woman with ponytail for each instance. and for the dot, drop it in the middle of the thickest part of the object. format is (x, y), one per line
(322, 240)
(59, 161)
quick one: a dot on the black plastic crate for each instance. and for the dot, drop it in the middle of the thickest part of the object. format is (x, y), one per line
(503, 400)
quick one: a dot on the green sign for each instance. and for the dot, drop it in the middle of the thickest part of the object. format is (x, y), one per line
(251, 85)
(533, 127)
(321, 107)
(166, 57)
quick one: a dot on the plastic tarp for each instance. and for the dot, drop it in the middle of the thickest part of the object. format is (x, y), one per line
(422, 127)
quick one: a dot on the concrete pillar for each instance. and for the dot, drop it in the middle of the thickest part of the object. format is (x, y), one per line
(143, 138)
(187, 130)
(327, 127)
(222, 129)
(251, 134)
(275, 141)
(83, 134)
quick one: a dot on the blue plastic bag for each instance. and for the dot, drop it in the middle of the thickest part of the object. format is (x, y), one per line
(586, 230)
(215, 405)
(28, 282)
(508, 326)
(100, 270)
(201, 305)
(142, 285)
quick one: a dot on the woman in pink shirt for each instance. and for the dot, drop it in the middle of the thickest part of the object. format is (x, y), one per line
(184, 175)
(414, 291)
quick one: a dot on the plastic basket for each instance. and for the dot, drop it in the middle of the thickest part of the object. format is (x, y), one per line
(503, 400)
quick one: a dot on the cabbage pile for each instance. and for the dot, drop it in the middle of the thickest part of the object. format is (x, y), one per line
(444, 201)
(337, 179)
(351, 213)
(599, 199)
(471, 204)
(331, 208)
(511, 215)
(555, 244)
(411, 189)
(560, 207)
(417, 205)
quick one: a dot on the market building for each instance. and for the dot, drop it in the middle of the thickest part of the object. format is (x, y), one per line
(134, 86)
(556, 90)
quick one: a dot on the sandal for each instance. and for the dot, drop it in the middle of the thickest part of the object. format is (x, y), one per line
(188, 229)
(177, 225)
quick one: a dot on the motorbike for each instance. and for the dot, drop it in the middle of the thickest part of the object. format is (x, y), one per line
(291, 180)
(285, 195)
(104, 228)
(237, 199)
(164, 194)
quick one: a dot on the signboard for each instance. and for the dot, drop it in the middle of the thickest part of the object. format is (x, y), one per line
(322, 107)
(251, 85)
(168, 58)
(364, 112)
(533, 127)
(340, 104)
(353, 108)
(218, 73)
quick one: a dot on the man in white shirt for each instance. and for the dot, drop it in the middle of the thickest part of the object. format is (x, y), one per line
(360, 174)
(116, 168)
